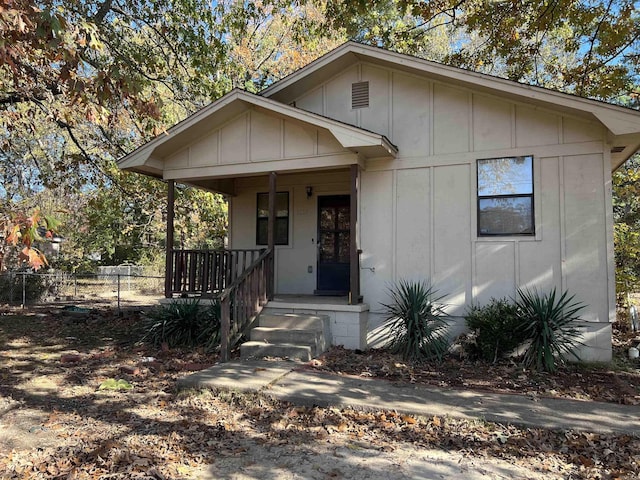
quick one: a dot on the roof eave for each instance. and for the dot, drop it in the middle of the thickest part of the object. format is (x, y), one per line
(618, 120)
(149, 157)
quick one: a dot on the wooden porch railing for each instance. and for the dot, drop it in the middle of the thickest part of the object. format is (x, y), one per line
(242, 301)
(202, 272)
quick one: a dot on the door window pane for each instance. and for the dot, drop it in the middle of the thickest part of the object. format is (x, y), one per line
(343, 218)
(343, 247)
(327, 218)
(327, 247)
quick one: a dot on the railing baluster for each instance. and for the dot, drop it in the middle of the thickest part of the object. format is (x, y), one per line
(225, 326)
(205, 272)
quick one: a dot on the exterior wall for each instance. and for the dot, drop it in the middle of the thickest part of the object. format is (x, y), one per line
(418, 212)
(293, 260)
(253, 138)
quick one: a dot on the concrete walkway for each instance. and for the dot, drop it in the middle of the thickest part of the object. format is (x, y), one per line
(292, 382)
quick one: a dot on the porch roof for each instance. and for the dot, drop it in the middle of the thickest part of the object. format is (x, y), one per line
(154, 157)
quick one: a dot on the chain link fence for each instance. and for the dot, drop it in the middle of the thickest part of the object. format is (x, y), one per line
(119, 289)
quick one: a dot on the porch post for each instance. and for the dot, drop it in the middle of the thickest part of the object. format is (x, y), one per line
(168, 275)
(354, 253)
(271, 234)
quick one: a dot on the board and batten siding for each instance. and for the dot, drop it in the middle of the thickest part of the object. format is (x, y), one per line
(418, 212)
(252, 139)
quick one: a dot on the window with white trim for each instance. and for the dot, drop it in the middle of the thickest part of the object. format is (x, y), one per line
(505, 196)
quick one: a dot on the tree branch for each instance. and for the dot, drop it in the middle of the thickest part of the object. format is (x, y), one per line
(589, 55)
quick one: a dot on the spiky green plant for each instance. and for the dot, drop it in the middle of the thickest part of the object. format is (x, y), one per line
(184, 323)
(496, 326)
(548, 324)
(417, 321)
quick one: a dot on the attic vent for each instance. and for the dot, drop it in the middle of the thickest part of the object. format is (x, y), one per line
(360, 95)
(618, 149)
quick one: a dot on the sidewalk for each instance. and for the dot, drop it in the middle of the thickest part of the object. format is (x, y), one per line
(292, 382)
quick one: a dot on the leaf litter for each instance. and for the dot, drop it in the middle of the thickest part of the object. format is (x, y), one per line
(152, 431)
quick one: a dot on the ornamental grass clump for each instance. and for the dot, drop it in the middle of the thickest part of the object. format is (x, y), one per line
(548, 324)
(417, 321)
(184, 323)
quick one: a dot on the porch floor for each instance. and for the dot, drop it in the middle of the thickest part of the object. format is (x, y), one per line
(325, 299)
(315, 302)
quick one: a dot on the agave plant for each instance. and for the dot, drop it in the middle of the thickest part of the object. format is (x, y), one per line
(417, 321)
(548, 324)
(184, 324)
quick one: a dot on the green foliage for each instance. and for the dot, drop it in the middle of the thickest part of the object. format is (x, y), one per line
(417, 321)
(548, 324)
(589, 48)
(184, 324)
(113, 384)
(497, 328)
(626, 233)
(11, 285)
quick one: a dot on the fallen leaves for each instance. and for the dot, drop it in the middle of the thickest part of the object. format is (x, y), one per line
(153, 432)
(596, 383)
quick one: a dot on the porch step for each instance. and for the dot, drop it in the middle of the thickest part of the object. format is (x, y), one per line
(260, 349)
(293, 320)
(296, 336)
(313, 338)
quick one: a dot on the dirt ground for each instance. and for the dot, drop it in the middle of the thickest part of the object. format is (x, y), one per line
(617, 382)
(57, 419)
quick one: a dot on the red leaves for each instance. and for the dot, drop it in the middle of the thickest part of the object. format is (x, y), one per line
(19, 228)
(34, 257)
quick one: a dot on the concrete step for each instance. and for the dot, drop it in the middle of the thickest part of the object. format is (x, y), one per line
(294, 320)
(256, 349)
(314, 338)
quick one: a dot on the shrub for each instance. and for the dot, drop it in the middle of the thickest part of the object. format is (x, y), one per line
(547, 322)
(184, 324)
(496, 327)
(417, 321)
(35, 287)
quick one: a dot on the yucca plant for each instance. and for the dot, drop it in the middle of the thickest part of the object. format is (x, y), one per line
(184, 324)
(548, 324)
(417, 321)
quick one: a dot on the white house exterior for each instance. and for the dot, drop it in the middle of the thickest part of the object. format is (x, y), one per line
(480, 184)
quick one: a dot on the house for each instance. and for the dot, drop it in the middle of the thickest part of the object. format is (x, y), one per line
(367, 166)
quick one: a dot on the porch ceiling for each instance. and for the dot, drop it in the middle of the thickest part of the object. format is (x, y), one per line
(242, 134)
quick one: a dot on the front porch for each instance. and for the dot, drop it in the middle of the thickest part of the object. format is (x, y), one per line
(298, 271)
(292, 181)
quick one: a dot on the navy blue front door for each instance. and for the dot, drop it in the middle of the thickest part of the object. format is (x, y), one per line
(333, 244)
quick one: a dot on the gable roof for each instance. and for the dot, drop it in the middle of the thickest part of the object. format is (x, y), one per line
(623, 123)
(147, 158)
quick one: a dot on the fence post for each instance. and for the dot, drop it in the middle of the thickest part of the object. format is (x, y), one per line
(118, 292)
(24, 290)
(12, 280)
